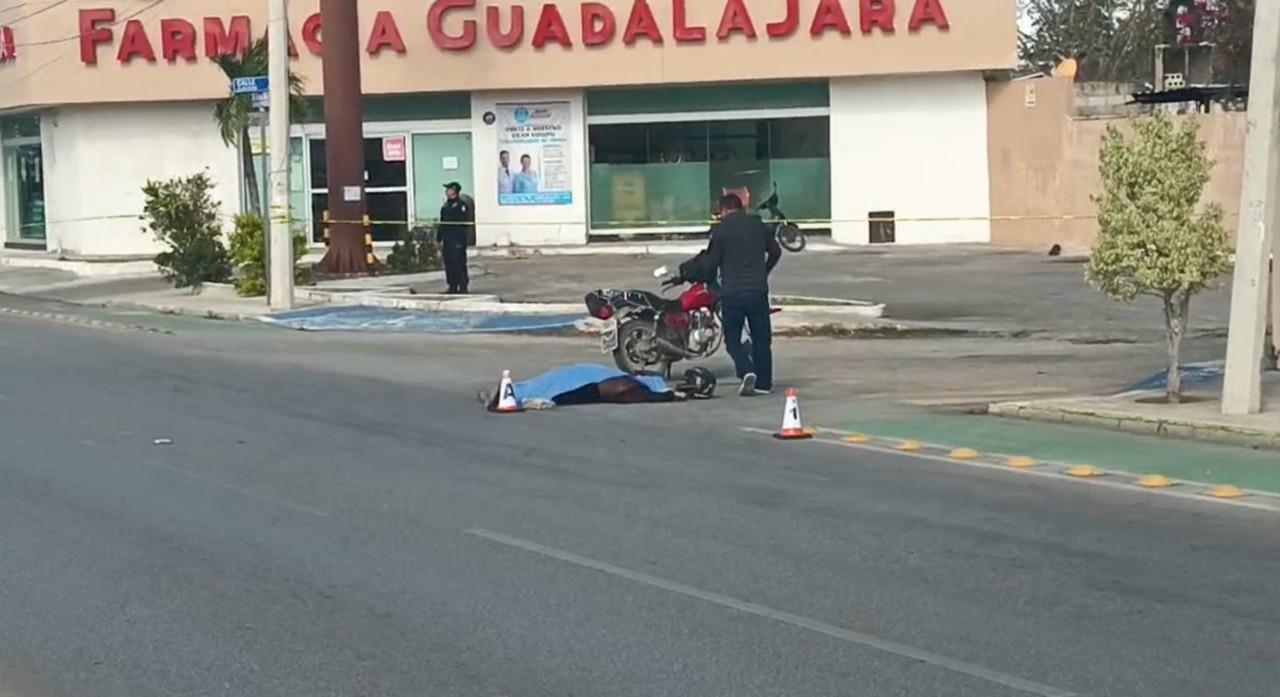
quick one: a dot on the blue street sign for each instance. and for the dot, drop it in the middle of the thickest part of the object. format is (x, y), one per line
(249, 85)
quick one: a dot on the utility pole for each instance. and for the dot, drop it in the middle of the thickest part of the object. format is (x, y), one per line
(344, 136)
(1242, 385)
(280, 233)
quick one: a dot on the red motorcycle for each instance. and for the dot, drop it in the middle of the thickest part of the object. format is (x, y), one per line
(647, 333)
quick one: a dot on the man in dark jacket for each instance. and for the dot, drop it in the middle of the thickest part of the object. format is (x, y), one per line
(745, 250)
(456, 219)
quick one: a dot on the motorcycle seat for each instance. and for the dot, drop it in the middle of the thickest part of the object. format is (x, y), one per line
(653, 300)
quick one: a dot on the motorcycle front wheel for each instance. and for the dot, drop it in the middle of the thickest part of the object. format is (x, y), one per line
(638, 351)
(791, 237)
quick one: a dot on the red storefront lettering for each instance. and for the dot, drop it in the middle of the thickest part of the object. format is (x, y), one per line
(435, 25)
(493, 26)
(177, 40)
(8, 49)
(829, 15)
(134, 43)
(385, 34)
(876, 13)
(641, 23)
(684, 33)
(91, 34)
(928, 12)
(550, 28)
(788, 25)
(311, 33)
(221, 41)
(735, 19)
(598, 24)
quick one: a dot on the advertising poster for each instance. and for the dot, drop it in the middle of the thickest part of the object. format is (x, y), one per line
(533, 154)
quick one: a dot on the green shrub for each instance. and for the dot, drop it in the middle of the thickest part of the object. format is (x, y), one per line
(249, 252)
(415, 252)
(183, 215)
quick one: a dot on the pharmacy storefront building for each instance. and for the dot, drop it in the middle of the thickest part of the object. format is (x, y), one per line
(568, 121)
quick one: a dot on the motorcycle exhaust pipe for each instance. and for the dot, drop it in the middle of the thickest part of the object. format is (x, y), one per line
(669, 347)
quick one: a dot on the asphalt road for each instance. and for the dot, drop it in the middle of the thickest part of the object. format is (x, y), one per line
(299, 530)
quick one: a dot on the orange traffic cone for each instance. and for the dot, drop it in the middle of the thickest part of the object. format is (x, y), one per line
(792, 428)
(507, 402)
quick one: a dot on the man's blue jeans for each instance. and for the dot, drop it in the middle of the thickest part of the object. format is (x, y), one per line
(751, 309)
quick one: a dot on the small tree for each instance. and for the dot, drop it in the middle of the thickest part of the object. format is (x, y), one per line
(1154, 237)
(183, 215)
(234, 113)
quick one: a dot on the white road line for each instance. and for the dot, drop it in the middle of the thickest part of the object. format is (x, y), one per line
(1040, 471)
(957, 666)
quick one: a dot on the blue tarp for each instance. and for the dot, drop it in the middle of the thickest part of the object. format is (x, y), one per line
(553, 383)
(379, 319)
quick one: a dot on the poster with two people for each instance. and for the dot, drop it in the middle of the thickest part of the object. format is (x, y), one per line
(533, 154)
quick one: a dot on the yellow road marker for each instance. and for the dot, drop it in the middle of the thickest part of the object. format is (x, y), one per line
(857, 438)
(910, 446)
(1084, 471)
(1021, 462)
(1155, 481)
(1226, 492)
(965, 454)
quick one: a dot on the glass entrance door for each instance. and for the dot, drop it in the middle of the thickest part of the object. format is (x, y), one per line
(386, 184)
(24, 192)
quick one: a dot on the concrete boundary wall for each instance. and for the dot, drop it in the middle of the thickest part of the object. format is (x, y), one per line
(1044, 163)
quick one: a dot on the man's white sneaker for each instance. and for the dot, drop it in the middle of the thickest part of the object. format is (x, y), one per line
(748, 385)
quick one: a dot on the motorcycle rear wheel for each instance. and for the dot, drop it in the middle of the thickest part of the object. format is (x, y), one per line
(638, 352)
(791, 237)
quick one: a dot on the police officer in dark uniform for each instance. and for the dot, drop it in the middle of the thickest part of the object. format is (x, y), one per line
(456, 220)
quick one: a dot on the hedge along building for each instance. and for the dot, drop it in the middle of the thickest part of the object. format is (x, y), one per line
(566, 120)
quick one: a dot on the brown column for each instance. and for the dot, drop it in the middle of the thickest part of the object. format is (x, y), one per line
(344, 137)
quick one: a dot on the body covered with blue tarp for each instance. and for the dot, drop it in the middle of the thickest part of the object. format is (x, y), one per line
(589, 383)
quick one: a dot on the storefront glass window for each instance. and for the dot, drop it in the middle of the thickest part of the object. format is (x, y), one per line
(23, 179)
(649, 175)
(669, 174)
(800, 163)
(386, 191)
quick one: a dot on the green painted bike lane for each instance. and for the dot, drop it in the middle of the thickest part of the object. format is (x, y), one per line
(1110, 450)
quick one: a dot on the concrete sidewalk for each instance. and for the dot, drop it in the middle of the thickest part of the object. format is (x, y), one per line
(1198, 418)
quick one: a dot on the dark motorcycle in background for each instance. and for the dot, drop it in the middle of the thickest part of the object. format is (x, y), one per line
(789, 235)
(648, 333)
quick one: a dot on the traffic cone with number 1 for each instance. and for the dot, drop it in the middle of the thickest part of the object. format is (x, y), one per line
(507, 402)
(792, 428)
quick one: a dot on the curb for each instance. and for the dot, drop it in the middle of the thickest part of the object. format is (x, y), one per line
(185, 311)
(1116, 420)
(63, 318)
(106, 268)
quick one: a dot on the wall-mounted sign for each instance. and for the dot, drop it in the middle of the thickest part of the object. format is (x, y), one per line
(533, 154)
(458, 25)
(489, 118)
(393, 149)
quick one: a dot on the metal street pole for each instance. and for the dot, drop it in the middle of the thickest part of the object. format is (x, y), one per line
(280, 256)
(1242, 384)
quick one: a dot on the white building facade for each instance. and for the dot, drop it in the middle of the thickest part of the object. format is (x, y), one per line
(619, 118)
